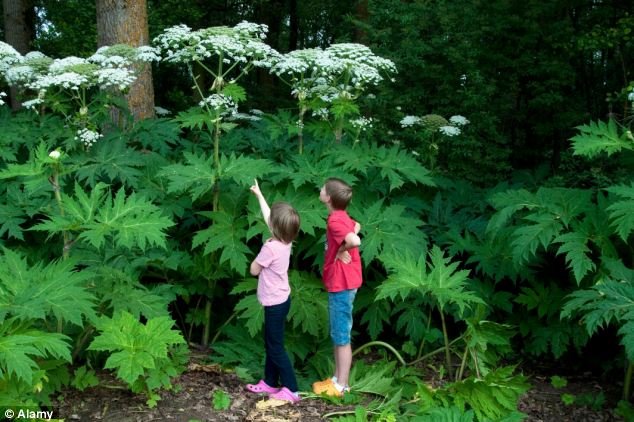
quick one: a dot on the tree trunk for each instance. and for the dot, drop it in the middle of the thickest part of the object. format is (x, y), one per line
(293, 35)
(360, 34)
(125, 22)
(19, 31)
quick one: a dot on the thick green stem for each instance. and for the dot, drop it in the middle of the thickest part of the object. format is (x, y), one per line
(446, 336)
(627, 383)
(435, 352)
(422, 343)
(81, 340)
(386, 345)
(213, 340)
(463, 363)
(300, 129)
(207, 327)
(58, 198)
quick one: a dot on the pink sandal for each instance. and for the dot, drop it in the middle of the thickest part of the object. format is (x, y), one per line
(261, 387)
(286, 395)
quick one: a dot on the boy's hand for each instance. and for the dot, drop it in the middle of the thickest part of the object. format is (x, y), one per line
(343, 256)
(256, 188)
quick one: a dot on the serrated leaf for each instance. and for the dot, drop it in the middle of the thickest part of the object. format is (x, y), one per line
(197, 176)
(597, 137)
(573, 245)
(226, 234)
(110, 161)
(242, 169)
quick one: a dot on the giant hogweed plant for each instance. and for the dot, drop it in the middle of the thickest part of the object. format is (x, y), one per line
(330, 81)
(609, 299)
(34, 299)
(82, 90)
(226, 54)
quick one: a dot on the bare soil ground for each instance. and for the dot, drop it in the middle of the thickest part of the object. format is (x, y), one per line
(192, 400)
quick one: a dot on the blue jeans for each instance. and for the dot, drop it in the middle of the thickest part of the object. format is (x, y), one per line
(277, 366)
(340, 316)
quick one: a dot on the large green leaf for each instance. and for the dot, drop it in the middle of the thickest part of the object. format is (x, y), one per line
(197, 176)
(597, 137)
(227, 235)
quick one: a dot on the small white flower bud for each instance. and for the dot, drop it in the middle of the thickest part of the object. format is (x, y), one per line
(54, 155)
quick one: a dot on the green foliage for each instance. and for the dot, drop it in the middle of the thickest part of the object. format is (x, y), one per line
(609, 301)
(31, 292)
(221, 400)
(139, 352)
(196, 176)
(440, 279)
(240, 351)
(558, 382)
(130, 221)
(494, 396)
(225, 234)
(598, 137)
(449, 414)
(84, 378)
(621, 212)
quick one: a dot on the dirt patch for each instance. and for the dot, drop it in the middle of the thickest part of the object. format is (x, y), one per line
(192, 400)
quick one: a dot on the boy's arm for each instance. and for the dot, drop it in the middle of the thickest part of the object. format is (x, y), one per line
(264, 207)
(352, 240)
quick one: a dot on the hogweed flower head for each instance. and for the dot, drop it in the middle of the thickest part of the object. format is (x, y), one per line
(449, 130)
(8, 56)
(409, 121)
(239, 44)
(88, 137)
(220, 104)
(362, 123)
(55, 154)
(458, 120)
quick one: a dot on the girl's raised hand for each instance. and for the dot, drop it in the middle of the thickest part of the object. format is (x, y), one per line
(256, 188)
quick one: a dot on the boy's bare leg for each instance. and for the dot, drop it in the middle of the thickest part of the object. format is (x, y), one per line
(343, 362)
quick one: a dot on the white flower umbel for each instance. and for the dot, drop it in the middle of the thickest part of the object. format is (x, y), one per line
(68, 80)
(409, 121)
(118, 78)
(240, 44)
(60, 66)
(32, 104)
(88, 137)
(20, 75)
(340, 71)
(458, 120)
(160, 111)
(8, 56)
(362, 123)
(55, 154)
(449, 130)
(2, 94)
(220, 104)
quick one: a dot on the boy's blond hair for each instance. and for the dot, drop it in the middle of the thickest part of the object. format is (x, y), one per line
(339, 192)
(284, 222)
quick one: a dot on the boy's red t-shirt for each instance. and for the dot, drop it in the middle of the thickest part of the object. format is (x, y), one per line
(338, 276)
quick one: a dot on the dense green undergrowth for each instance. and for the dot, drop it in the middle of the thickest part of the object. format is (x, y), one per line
(118, 252)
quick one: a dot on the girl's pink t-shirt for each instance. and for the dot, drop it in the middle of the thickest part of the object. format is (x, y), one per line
(273, 287)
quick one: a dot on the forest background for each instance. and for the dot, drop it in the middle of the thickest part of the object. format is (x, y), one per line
(489, 149)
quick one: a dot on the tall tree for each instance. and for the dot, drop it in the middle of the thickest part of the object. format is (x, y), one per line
(126, 22)
(19, 30)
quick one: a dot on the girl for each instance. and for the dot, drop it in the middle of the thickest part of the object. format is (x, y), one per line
(271, 267)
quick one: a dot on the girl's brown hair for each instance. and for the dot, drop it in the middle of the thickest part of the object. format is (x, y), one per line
(339, 192)
(284, 222)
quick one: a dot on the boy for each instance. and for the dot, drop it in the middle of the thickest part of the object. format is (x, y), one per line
(342, 278)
